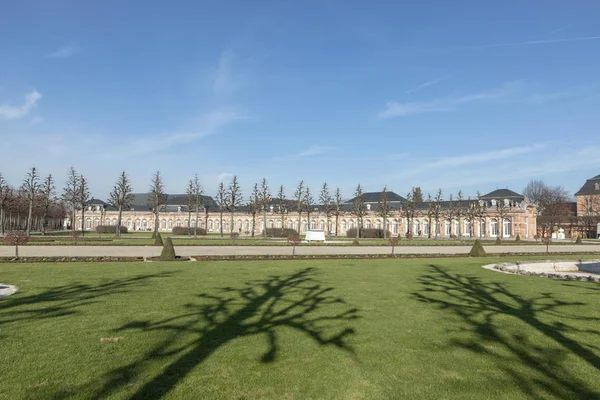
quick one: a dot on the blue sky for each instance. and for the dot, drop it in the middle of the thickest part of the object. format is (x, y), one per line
(464, 95)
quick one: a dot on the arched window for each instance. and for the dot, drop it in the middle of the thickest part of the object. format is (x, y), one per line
(304, 225)
(425, 227)
(137, 224)
(378, 224)
(186, 223)
(494, 228)
(210, 225)
(395, 227)
(417, 230)
(129, 223)
(368, 224)
(506, 228)
(163, 224)
(290, 225)
(170, 224)
(239, 226)
(178, 223)
(270, 223)
(482, 227)
(322, 225)
(313, 224)
(330, 226)
(467, 227)
(88, 223)
(344, 226)
(114, 222)
(278, 224)
(144, 224)
(447, 228)
(247, 226)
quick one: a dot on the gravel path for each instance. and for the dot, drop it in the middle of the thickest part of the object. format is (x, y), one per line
(151, 251)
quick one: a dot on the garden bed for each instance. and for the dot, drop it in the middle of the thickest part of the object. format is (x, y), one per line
(177, 258)
(43, 259)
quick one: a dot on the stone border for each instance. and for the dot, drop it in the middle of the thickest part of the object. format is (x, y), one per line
(7, 290)
(508, 268)
(68, 259)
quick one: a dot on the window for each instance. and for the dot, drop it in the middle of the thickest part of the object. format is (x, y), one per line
(246, 226)
(436, 228)
(395, 227)
(596, 186)
(425, 227)
(163, 224)
(270, 223)
(493, 202)
(322, 225)
(447, 228)
(290, 225)
(378, 224)
(278, 224)
(456, 227)
(506, 203)
(304, 225)
(494, 228)
(210, 225)
(186, 223)
(417, 229)
(239, 225)
(178, 223)
(343, 226)
(88, 223)
(467, 227)
(313, 224)
(137, 225)
(482, 228)
(330, 226)
(170, 224)
(129, 224)
(144, 224)
(368, 224)
(506, 228)
(96, 222)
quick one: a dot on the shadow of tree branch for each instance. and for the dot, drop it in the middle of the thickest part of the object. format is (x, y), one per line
(296, 301)
(483, 304)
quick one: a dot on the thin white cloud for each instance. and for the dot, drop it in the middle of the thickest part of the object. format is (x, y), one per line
(64, 52)
(314, 151)
(225, 81)
(207, 124)
(395, 109)
(528, 43)
(224, 177)
(431, 82)
(479, 158)
(564, 28)
(12, 112)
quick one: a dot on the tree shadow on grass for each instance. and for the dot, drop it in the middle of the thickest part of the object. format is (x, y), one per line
(64, 300)
(538, 370)
(296, 301)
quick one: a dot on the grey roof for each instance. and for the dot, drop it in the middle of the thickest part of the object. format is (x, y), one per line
(374, 197)
(174, 201)
(503, 194)
(589, 187)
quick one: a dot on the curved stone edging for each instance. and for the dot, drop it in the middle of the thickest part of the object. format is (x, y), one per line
(7, 290)
(566, 274)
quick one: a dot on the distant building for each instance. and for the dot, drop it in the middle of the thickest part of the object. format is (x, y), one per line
(519, 217)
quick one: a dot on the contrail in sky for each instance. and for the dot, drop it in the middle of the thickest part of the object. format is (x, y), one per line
(432, 82)
(579, 39)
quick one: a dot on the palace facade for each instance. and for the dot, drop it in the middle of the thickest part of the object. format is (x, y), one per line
(506, 214)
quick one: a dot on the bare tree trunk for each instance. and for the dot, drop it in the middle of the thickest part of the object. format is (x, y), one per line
(197, 222)
(29, 217)
(265, 222)
(221, 222)
(118, 230)
(156, 222)
(336, 224)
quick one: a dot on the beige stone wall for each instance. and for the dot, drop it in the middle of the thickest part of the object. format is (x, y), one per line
(521, 221)
(588, 205)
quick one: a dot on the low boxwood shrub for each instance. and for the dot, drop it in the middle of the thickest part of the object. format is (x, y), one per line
(281, 233)
(110, 229)
(477, 250)
(369, 233)
(180, 230)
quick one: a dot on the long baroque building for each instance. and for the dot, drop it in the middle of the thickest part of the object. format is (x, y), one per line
(506, 214)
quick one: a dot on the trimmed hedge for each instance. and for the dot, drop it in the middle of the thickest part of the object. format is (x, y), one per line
(477, 250)
(110, 229)
(168, 251)
(47, 259)
(281, 233)
(180, 230)
(367, 233)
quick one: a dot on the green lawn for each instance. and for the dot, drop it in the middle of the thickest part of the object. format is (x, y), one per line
(340, 329)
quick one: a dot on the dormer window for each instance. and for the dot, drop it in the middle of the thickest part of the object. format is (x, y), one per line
(597, 186)
(506, 202)
(493, 202)
(368, 207)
